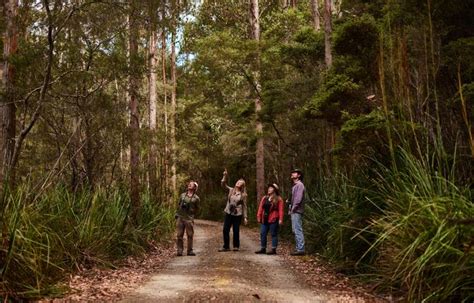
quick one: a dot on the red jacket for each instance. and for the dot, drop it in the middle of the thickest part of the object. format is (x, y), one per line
(276, 213)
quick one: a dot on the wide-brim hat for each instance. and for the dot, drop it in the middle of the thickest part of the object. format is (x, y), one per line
(275, 187)
(299, 171)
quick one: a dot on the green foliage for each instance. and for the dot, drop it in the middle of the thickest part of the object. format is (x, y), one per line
(412, 227)
(356, 42)
(424, 234)
(460, 55)
(357, 37)
(338, 93)
(58, 232)
(306, 49)
(362, 137)
(338, 211)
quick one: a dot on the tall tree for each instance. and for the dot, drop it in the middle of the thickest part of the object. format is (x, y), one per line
(165, 175)
(174, 22)
(133, 107)
(316, 15)
(7, 106)
(259, 152)
(152, 105)
(328, 32)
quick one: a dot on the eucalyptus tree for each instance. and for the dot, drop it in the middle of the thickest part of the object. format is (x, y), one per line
(316, 15)
(328, 32)
(7, 106)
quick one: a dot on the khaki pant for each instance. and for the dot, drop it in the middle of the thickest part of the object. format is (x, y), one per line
(181, 226)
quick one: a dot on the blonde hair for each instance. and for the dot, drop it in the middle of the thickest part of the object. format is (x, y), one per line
(243, 190)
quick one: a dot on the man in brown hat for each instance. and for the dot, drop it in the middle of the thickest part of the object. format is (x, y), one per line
(296, 210)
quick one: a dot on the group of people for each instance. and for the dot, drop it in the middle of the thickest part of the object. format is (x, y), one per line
(270, 215)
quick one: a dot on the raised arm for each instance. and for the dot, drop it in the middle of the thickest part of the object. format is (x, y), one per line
(224, 181)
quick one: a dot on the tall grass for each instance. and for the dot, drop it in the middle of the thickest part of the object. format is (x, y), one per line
(337, 211)
(410, 228)
(47, 238)
(425, 234)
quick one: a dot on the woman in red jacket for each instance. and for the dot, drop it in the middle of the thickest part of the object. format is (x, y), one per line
(270, 215)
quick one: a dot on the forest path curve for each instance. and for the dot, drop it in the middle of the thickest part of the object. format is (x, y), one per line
(241, 276)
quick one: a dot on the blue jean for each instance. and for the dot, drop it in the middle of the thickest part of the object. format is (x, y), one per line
(297, 227)
(265, 228)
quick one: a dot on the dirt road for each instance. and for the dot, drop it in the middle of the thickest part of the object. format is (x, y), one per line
(241, 276)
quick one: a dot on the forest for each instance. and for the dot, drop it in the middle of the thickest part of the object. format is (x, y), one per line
(108, 108)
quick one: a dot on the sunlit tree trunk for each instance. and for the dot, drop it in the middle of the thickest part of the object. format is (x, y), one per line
(316, 15)
(153, 66)
(134, 116)
(165, 178)
(327, 33)
(259, 152)
(7, 106)
(173, 99)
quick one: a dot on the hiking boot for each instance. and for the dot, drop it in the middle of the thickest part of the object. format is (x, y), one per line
(272, 252)
(223, 249)
(191, 253)
(236, 249)
(261, 251)
(297, 253)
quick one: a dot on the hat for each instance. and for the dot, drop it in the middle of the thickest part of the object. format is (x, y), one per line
(299, 171)
(275, 187)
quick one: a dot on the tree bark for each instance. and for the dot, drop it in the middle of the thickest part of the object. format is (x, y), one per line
(153, 65)
(316, 15)
(259, 150)
(327, 33)
(134, 116)
(166, 156)
(173, 99)
(7, 106)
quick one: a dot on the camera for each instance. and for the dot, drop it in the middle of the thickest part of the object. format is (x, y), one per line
(233, 208)
(184, 206)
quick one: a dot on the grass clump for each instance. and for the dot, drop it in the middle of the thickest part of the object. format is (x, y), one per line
(408, 228)
(424, 236)
(46, 238)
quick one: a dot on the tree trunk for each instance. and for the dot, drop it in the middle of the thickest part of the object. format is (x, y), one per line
(134, 117)
(8, 108)
(316, 15)
(152, 157)
(327, 33)
(259, 152)
(165, 106)
(173, 100)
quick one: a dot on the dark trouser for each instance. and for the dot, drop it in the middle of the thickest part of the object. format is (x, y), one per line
(233, 221)
(181, 226)
(265, 228)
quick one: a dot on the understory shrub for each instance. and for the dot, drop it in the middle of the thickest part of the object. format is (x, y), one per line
(48, 236)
